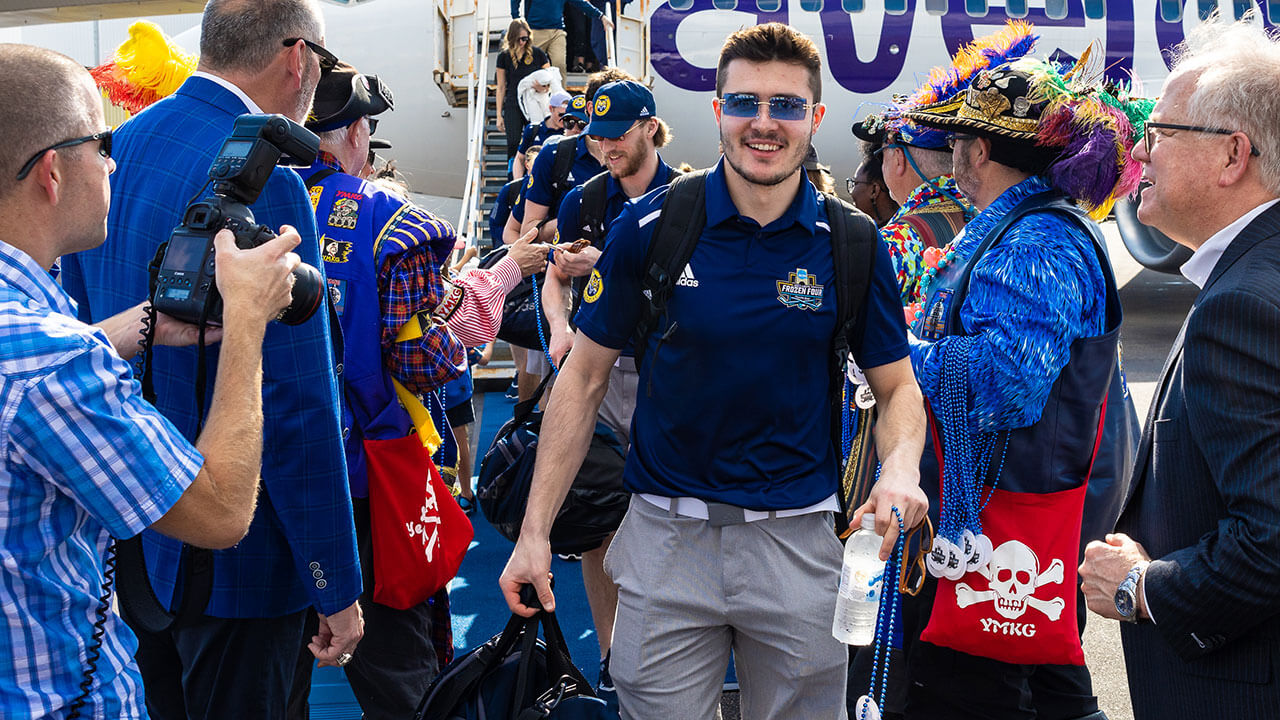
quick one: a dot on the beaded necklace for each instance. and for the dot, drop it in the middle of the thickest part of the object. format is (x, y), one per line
(868, 706)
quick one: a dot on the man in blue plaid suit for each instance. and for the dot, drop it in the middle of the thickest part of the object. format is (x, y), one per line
(236, 658)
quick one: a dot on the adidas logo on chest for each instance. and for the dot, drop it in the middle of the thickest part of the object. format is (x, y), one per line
(686, 278)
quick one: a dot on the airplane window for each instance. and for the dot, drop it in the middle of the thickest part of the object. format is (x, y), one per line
(939, 7)
(1242, 7)
(1205, 8)
(681, 4)
(811, 5)
(852, 6)
(895, 7)
(1015, 8)
(1095, 9)
(1273, 11)
(1055, 9)
(975, 8)
(769, 6)
(1171, 10)
(724, 4)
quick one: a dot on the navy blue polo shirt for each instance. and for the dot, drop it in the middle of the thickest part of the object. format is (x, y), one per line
(568, 227)
(539, 189)
(738, 411)
(534, 135)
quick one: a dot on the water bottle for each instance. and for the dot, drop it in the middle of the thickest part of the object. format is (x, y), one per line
(861, 580)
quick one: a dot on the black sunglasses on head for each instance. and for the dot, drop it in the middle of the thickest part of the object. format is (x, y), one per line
(328, 60)
(104, 149)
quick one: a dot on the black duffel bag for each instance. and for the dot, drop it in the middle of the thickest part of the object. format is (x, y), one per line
(595, 504)
(515, 676)
(520, 312)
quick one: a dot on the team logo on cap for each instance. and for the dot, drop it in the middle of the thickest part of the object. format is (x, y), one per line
(335, 251)
(594, 288)
(800, 290)
(579, 103)
(602, 105)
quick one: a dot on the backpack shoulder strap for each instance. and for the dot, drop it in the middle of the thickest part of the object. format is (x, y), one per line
(592, 210)
(675, 234)
(854, 238)
(566, 151)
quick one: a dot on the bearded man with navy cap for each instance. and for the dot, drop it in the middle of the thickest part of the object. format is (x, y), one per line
(383, 258)
(626, 128)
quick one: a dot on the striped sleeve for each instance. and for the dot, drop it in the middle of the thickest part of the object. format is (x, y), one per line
(479, 314)
(85, 426)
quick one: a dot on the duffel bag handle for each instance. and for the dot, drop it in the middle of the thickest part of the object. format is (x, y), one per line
(559, 662)
(524, 408)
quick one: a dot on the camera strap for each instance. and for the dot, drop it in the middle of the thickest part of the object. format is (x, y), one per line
(138, 601)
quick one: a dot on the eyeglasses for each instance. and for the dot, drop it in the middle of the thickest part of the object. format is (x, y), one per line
(1151, 127)
(522, 39)
(572, 123)
(104, 149)
(328, 60)
(598, 138)
(952, 140)
(781, 107)
(851, 183)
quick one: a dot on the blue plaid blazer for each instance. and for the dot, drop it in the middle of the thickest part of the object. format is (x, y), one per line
(301, 547)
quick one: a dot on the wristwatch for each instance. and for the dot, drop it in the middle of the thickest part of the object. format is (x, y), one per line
(1127, 594)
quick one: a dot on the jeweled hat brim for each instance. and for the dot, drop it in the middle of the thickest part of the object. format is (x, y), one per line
(958, 116)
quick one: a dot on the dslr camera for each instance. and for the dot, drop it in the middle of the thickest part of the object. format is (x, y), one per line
(184, 286)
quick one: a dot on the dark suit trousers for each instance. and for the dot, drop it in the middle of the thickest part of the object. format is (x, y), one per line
(219, 668)
(394, 663)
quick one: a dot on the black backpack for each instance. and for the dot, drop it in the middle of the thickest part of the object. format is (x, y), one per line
(854, 239)
(595, 201)
(561, 168)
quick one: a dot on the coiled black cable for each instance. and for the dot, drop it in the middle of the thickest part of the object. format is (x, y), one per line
(93, 653)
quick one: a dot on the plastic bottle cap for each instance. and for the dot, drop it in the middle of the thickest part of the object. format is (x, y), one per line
(869, 521)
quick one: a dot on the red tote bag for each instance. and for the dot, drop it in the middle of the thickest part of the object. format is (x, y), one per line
(420, 535)
(1020, 608)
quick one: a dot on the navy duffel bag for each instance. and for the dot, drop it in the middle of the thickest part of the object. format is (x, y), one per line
(515, 676)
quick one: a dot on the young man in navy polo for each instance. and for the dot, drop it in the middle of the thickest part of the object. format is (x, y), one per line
(625, 126)
(728, 542)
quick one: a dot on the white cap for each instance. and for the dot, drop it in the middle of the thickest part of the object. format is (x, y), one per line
(869, 521)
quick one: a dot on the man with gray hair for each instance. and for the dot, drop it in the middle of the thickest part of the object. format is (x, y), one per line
(232, 648)
(1194, 568)
(85, 458)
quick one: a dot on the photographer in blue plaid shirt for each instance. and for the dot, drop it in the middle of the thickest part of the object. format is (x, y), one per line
(85, 458)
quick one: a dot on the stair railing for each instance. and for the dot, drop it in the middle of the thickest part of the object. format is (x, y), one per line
(477, 105)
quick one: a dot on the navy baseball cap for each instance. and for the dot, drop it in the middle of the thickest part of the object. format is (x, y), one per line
(618, 106)
(577, 108)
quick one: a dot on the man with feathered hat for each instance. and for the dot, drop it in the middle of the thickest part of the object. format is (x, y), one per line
(1015, 349)
(916, 161)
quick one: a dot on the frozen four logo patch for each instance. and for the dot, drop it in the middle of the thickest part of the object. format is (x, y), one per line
(800, 290)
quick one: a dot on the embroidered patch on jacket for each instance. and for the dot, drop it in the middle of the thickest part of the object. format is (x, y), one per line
(335, 251)
(344, 213)
(338, 293)
(800, 290)
(449, 305)
(316, 192)
(594, 288)
(933, 326)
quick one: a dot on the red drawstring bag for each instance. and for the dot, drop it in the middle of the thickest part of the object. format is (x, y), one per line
(420, 535)
(1020, 608)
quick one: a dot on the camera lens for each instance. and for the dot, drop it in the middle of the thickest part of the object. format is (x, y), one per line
(308, 293)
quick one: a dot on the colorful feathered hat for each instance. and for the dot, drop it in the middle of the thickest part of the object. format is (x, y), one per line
(146, 67)
(1015, 40)
(1061, 121)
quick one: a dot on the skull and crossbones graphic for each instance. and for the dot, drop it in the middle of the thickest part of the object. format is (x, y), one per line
(1013, 576)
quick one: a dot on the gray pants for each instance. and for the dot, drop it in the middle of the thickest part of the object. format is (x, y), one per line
(689, 592)
(619, 402)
